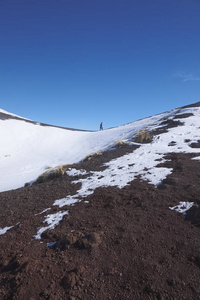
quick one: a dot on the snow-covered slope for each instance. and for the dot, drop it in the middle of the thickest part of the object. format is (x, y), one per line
(145, 160)
(28, 149)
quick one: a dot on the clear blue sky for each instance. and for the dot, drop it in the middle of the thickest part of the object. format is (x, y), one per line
(76, 63)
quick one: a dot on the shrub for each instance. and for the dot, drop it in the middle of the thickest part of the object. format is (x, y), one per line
(120, 143)
(92, 155)
(50, 174)
(143, 136)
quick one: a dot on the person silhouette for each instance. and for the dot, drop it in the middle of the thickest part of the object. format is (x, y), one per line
(101, 126)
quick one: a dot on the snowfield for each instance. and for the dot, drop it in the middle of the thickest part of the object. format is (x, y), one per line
(27, 150)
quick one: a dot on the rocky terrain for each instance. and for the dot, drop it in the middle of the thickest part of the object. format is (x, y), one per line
(115, 243)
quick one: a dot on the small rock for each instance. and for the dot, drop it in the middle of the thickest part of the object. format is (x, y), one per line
(171, 282)
(148, 289)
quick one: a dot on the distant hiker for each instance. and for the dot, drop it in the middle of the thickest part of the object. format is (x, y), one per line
(101, 126)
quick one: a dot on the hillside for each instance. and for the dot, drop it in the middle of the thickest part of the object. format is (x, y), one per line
(106, 223)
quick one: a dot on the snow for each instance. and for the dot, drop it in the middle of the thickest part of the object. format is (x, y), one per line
(52, 220)
(75, 172)
(27, 150)
(51, 244)
(182, 207)
(42, 212)
(5, 229)
(143, 161)
(13, 115)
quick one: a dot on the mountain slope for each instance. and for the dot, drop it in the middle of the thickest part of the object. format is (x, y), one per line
(27, 148)
(122, 238)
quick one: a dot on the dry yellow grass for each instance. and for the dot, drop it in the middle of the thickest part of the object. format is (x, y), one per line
(92, 155)
(143, 136)
(50, 174)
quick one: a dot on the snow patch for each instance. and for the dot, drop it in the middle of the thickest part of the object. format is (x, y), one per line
(52, 220)
(42, 212)
(75, 172)
(51, 244)
(182, 207)
(5, 229)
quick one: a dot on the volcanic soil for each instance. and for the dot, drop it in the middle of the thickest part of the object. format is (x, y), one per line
(115, 244)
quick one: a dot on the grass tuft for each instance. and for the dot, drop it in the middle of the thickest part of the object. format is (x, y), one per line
(50, 174)
(143, 136)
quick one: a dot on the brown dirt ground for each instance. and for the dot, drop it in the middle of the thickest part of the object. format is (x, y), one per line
(123, 244)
